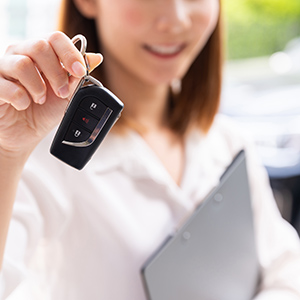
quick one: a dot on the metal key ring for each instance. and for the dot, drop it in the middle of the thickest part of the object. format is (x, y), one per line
(83, 46)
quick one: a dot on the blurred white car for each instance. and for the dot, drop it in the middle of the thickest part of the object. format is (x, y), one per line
(263, 95)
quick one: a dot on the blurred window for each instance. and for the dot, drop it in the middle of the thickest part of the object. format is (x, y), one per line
(21, 19)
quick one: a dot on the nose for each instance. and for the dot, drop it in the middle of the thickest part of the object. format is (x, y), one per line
(173, 16)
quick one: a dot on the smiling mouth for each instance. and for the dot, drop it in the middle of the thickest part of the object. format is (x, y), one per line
(165, 51)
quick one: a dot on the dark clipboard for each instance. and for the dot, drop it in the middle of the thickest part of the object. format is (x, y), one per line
(213, 255)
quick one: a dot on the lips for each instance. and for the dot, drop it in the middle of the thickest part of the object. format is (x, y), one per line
(165, 51)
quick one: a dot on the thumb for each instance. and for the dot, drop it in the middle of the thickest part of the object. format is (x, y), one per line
(94, 60)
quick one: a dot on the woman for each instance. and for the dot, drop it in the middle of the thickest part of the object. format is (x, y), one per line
(85, 235)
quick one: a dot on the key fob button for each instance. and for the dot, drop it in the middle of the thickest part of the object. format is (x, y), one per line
(85, 120)
(76, 134)
(94, 106)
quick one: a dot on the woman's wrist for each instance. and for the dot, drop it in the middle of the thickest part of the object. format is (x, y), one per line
(13, 161)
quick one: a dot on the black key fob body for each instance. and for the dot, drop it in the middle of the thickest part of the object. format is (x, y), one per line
(91, 113)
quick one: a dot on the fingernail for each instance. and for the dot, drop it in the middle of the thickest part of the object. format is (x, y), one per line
(63, 92)
(42, 100)
(78, 69)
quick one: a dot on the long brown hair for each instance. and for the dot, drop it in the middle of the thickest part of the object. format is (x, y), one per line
(198, 101)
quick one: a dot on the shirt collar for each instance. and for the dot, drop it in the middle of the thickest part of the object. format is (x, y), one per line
(205, 160)
(132, 154)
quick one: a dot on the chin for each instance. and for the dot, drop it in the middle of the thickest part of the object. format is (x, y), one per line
(164, 78)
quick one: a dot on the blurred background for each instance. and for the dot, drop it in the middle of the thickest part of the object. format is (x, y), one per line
(20, 19)
(261, 79)
(262, 89)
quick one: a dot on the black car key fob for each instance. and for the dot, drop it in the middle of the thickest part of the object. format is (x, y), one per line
(91, 113)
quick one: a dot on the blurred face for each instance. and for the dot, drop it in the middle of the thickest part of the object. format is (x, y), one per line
(154, 41)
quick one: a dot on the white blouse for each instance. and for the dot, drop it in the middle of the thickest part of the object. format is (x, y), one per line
(85, 234)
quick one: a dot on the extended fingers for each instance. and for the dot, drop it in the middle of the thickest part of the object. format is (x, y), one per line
(54, 57)
(43, 56)
(26, 66)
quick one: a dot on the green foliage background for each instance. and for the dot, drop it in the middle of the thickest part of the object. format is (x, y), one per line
(260, 27)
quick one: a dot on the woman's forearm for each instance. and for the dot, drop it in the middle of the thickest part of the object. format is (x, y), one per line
(11, 166)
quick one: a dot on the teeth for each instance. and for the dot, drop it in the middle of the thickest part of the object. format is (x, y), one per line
(165, 49)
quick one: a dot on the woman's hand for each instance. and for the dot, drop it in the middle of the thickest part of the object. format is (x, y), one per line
(34, 89)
